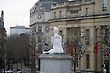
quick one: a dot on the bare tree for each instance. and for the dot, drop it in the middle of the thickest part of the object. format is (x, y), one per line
(17, 48)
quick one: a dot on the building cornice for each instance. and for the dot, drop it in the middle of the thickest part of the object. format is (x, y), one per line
(39, 23)
(81, 17)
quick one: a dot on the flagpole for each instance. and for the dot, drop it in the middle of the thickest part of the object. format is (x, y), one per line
(75, 61)
(96, 62)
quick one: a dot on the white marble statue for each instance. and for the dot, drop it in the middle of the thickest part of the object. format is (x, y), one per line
(56, 42)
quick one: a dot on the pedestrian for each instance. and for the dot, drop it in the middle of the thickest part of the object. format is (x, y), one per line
(105, 70)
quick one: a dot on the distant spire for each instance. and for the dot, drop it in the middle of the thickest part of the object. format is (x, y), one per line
(2, 16)
(2, 13)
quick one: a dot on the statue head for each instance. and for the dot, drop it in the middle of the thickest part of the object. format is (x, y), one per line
(56, 30)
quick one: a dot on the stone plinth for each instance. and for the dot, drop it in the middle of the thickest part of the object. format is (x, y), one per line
(55, 63)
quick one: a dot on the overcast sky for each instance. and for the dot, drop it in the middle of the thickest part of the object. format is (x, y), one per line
(16, 12)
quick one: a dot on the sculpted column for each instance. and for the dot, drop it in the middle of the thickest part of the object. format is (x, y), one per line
(100, 59)
(92, 55)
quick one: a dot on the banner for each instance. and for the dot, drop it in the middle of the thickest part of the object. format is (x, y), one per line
(96, 47)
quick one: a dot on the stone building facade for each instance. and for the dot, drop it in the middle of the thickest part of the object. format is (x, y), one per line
(39, 29)
(85, 22)
(39, 16)
(39, 25)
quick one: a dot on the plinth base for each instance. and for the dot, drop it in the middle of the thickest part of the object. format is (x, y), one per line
(55, 63)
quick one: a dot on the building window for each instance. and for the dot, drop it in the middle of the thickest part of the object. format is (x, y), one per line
(46, 29)
(34, 28)
(39, 17)
(73, 11)
(107, 34)
(87, 61)
(39, 28)
(87, 11)
(54, 14)
(60, 14)
(33, 31)
(104, 6)
(87, 37)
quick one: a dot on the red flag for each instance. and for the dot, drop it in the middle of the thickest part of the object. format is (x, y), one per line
(96, 47)
(71, 48)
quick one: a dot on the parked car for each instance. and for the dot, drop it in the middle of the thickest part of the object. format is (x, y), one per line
(19, 72)
(8, 71)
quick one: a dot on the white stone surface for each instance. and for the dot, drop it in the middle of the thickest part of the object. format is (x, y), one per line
(56, 41)
(55, 63)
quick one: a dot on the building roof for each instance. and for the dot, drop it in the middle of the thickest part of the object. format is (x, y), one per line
(19, 27)
(46, 4)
